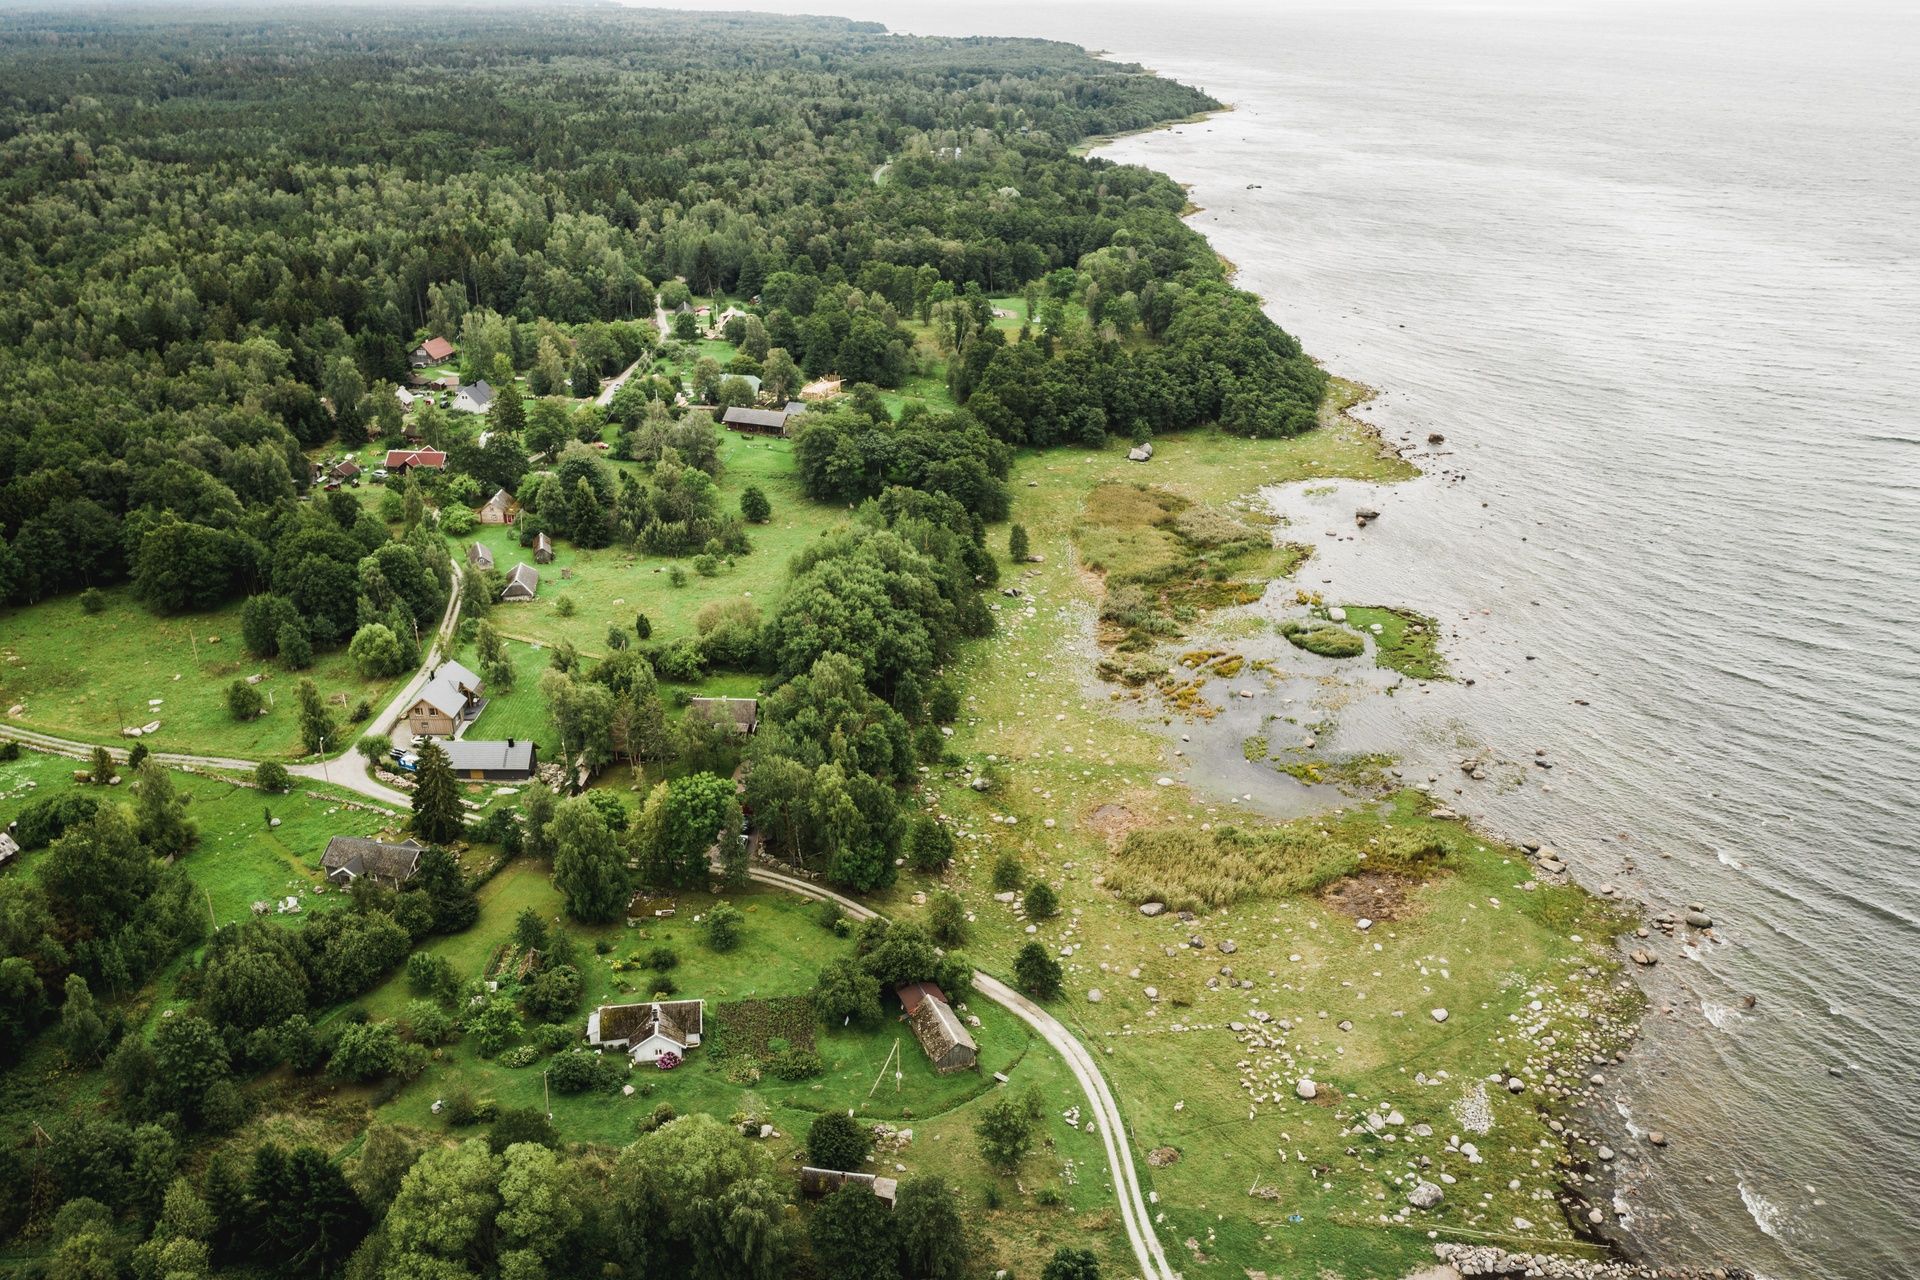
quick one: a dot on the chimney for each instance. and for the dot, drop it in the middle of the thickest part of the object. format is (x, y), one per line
(509, 742)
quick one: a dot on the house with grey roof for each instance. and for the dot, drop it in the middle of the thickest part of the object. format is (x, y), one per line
(450, 700)
(648, 1032)
(475, 397)
(351, 858)
(491, 760)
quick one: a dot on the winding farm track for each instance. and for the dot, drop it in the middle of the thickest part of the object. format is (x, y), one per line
(1134, 1210)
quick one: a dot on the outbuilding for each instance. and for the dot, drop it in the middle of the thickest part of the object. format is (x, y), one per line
(947, 1042)
(352, 858)
(480, 557)
(523, 584)
(491, 760)
(542, 549)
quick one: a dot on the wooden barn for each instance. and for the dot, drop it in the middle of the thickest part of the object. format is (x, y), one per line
(523, 584)
(938, 1028)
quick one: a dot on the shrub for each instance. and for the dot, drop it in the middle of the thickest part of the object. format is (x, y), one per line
(722, 927)
(457, 522)
(929, 845)
(1041, 901)
(829, 916)
(836, 1141)
(429, 1023)
(642, 626)
(947, 919)
(1017, 550)
(364, 1050)
(524, 1055)
(1048, 1196)
(943, 704)
(362, 712)
(94, 600)
(9, 750)
(661, 959)
(796, 1064)
(244, 701)
(551, 1037)
(580, 1070)
(1008, 875)
(1037, 972)
(676, 575)
(270, 775)
(707, 566)
(754, 505)
(431, 976)
(515, 1125)
(564, 607)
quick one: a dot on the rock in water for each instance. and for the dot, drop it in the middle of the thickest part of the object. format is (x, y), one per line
(1699, 919)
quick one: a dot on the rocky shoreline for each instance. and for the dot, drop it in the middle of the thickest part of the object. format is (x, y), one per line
(1462, 1260)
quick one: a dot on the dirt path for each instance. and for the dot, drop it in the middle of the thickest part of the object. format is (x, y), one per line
(1134, 1211)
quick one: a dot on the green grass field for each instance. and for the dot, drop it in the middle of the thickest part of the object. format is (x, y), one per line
(611, 585)
(87, 676)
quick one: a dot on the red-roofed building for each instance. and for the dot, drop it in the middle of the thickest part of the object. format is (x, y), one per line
(432, 351)
(399, 460)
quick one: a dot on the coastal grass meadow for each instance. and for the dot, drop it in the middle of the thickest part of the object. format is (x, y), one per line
(1257, 1178)
(1407, 642)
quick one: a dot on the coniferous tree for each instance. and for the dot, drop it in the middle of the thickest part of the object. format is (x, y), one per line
(436, 796)
(83, 1036)
(160, 815)
(316, 723)
(1017, 550)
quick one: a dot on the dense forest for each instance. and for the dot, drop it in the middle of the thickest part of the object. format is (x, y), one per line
(220, 239)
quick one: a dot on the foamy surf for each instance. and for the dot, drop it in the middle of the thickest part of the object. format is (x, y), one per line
(1768, 1216)
(1720, 1015)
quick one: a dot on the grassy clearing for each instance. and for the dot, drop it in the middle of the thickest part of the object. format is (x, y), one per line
(1407, 642)
(241, 858)
(611, 585)
(1080, 776)
(87, 676)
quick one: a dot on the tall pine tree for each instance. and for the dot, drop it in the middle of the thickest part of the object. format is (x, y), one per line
(436, 796)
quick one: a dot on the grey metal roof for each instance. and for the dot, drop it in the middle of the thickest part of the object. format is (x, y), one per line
(467, 754)
(775, 418)
(443, 691)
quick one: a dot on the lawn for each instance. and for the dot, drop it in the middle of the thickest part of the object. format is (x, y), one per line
(87, 676)
(611, 585)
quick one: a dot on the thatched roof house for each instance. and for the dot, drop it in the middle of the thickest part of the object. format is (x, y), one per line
(647, 1031)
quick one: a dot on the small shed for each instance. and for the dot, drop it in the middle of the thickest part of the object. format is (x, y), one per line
(947, 1042)
(345, 469)
(523, 584)
(480, 558)
(542, 549)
